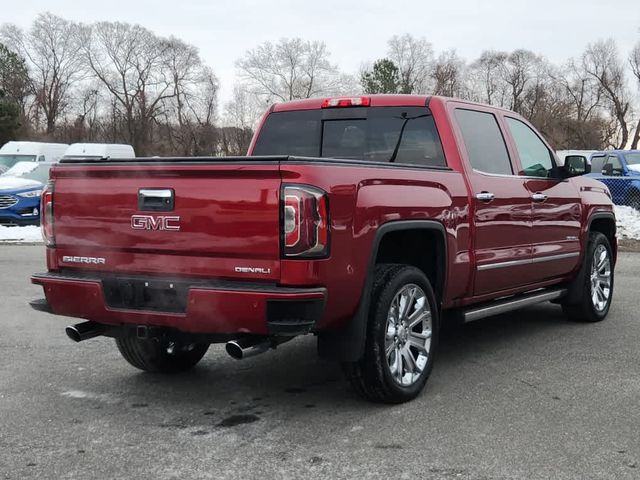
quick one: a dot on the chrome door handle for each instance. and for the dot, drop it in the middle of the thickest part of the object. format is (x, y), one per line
(485, 196)
(538, 197)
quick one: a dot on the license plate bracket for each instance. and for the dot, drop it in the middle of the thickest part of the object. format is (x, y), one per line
(146, 294)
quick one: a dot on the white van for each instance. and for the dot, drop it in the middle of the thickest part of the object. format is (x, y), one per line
(99, 150)
(562, 154)
(13, 152)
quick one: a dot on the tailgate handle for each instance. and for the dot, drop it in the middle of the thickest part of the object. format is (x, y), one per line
(156, 199)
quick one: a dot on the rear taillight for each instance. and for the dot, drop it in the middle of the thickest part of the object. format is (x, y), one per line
(46, 215)
(305, 213)
(346, 102)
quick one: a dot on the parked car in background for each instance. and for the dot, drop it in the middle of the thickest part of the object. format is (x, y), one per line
(20, 190)
(99, 150)
(620, 171)
(562, 154)
(14, 152)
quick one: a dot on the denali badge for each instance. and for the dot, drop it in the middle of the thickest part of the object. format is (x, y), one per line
(150, 222)
(265, 271)
(89, 260)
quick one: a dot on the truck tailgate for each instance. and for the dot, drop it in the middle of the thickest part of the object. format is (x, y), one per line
(223, 218)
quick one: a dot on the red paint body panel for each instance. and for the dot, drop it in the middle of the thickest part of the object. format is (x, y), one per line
(209, 310)
(230, 217)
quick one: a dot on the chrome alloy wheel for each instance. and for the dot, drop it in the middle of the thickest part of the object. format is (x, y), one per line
(600, 278)
(408, 335)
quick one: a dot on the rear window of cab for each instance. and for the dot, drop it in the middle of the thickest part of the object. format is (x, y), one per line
(403, 135)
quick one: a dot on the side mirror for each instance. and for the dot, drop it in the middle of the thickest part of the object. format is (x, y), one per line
(575, 165)
(607, 169)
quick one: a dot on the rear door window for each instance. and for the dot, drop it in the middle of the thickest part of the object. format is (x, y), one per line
(484, 142)
(404, 135)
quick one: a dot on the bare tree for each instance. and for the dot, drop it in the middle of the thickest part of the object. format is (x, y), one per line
(584, 124)
(51, 49)
(634, 61)
(243, 110)
(448, 72)
(193, 105)
(241, 116)
(130, 62)
(602, 62)
(414, 58)
(486, 74)
(584, 91)
(519, 71)
(290, 69)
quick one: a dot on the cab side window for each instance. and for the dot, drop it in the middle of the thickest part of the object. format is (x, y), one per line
(483, 141)
(535, 157)
(613, 166)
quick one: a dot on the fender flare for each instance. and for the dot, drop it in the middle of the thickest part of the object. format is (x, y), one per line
(575, 286)
(598, 215)
(347, 344)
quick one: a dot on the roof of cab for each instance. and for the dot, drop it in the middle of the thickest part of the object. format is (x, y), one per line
(381, 100)
(378, 100)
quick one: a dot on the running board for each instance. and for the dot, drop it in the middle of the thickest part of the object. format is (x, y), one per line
(512, 303)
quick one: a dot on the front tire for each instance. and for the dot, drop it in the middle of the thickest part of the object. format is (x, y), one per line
(596, 290)
(401, 339)
(160, 355)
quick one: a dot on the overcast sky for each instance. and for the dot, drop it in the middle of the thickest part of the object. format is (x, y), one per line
(357, 31)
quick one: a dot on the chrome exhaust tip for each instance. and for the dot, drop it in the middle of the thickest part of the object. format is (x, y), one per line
(247, 347)
(85, 331)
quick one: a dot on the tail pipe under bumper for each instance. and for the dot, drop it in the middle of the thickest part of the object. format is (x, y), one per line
(246, 347)
(79, 331)
(85, 331)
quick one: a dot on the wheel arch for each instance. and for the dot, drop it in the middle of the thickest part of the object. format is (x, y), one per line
(605, 223)
(347, 344)
(602, 222)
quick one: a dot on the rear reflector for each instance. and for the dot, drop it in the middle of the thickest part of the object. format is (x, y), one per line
(346, 102)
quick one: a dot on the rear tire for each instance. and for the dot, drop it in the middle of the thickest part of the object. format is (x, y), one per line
(401, 338)
(596, 290)
(160, 355)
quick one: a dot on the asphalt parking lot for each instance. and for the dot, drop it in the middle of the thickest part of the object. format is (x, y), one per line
(525, 395)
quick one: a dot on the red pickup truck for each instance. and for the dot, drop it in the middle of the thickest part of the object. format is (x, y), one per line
(365, 221)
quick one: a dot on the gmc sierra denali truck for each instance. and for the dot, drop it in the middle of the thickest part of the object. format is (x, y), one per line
(366, 221)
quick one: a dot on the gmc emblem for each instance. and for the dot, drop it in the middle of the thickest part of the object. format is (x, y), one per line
(150, 222)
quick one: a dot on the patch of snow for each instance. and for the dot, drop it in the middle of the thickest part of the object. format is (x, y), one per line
(26, 234)
(628, 222)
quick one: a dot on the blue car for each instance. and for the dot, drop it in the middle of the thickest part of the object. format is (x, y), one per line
(20, 189)
(620, 171)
